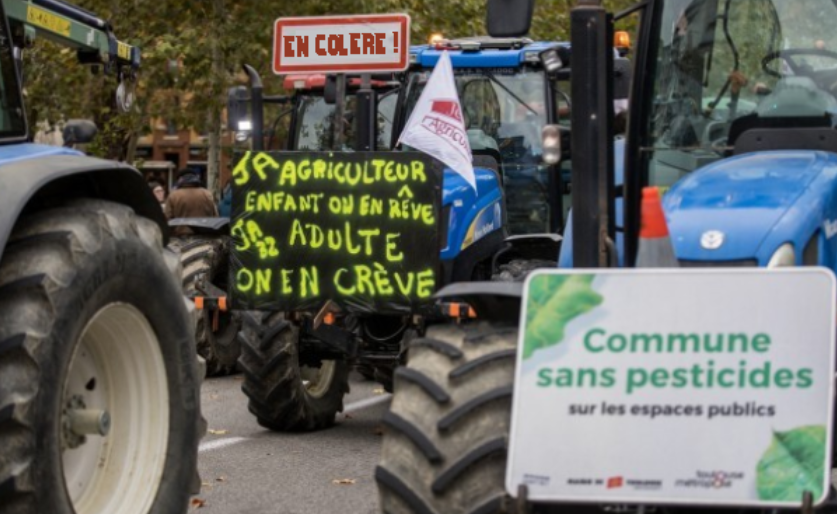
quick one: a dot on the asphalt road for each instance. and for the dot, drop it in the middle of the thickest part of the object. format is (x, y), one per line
(247, 469)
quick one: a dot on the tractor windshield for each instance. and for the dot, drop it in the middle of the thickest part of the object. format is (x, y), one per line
(504, 111)
(315, 121)
(723, 67)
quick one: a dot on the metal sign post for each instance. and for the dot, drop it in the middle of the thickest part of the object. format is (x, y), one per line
(340, 114)
(366, 117)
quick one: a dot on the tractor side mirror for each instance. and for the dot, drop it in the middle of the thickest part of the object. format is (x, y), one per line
(79, 132)
(509, 18)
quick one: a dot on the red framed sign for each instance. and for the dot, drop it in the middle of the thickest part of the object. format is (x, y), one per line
(369, 43)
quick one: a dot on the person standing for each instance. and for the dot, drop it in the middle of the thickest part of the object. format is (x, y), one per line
(189, 200)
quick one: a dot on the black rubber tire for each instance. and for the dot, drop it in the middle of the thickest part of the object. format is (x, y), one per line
(445, 444)
(273, 378)
(59, 268)
(208, 258)
(517, 270)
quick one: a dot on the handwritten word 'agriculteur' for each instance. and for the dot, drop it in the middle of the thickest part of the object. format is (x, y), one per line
(292, 172)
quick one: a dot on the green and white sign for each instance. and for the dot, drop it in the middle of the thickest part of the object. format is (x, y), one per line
(674, 386)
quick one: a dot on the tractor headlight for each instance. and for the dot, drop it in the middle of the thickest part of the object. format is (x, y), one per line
(244, 128)
(551, 60)
(783, 257)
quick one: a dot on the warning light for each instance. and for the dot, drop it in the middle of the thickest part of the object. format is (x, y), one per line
(436, 38)
(622, 39)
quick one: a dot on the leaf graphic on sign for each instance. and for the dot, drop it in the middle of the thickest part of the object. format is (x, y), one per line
(554, 301)
(792, 465)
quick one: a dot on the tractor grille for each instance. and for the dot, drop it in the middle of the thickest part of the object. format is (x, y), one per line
(743, 263)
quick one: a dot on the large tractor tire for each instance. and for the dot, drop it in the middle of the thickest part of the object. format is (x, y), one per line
(207, 259)
(285, 396)
(445, 444)
(95, 339)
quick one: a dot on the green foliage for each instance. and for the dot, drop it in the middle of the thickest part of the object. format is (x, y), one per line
(208, 41)
(792, 465)
(554, 301)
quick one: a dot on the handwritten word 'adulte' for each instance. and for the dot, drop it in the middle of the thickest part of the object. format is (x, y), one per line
(292, 172)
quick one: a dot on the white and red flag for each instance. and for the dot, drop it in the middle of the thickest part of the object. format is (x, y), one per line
(436, 126)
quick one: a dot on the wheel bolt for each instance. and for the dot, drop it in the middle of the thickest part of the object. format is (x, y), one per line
(89, 421)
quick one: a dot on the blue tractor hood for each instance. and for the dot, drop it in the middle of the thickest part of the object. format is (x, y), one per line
(469, 212)
(758, 201)
(14, 153)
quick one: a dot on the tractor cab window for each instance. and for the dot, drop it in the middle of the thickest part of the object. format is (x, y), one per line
(315, 122)
(504, 110)
(723, 67)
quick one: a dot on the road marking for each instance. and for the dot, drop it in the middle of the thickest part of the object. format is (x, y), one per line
(220, 443)
(217, 444)
(368, 402)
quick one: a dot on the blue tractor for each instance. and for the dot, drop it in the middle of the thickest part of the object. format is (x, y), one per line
(293, 378)
(732, 115)
(99, 400)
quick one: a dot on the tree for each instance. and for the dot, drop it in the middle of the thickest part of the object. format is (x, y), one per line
(193, 51)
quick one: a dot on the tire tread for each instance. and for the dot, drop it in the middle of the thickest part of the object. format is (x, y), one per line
(468, 478)
(272, 381)
(42, 257)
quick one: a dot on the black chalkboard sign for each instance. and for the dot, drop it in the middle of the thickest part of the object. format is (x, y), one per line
(358, 228)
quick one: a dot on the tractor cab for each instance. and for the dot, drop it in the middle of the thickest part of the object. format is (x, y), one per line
(314, 109)
(507, 98)
(737, 117)
(770, 67)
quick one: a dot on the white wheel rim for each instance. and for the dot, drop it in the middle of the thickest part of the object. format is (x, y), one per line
(317, 381)
(119, 355)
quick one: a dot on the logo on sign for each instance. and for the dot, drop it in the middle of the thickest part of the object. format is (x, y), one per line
(435, 122)
(714, 479)
(540, 480)
(449, 108)
(615, 482)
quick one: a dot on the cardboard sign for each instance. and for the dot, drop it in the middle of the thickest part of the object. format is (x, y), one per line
(358, 228)
(341, 44)
(675, 387)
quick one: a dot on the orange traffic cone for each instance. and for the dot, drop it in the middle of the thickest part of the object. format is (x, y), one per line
(655, 249)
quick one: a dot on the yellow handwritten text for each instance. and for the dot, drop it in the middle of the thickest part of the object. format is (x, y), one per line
(376, 280)
(282, 202)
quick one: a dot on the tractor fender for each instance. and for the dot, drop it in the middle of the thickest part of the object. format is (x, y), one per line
(495, 301)
(26, 183)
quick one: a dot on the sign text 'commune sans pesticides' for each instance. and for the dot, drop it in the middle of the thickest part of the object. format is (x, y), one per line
(358, 228)
(675, 387)
(342, 44)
